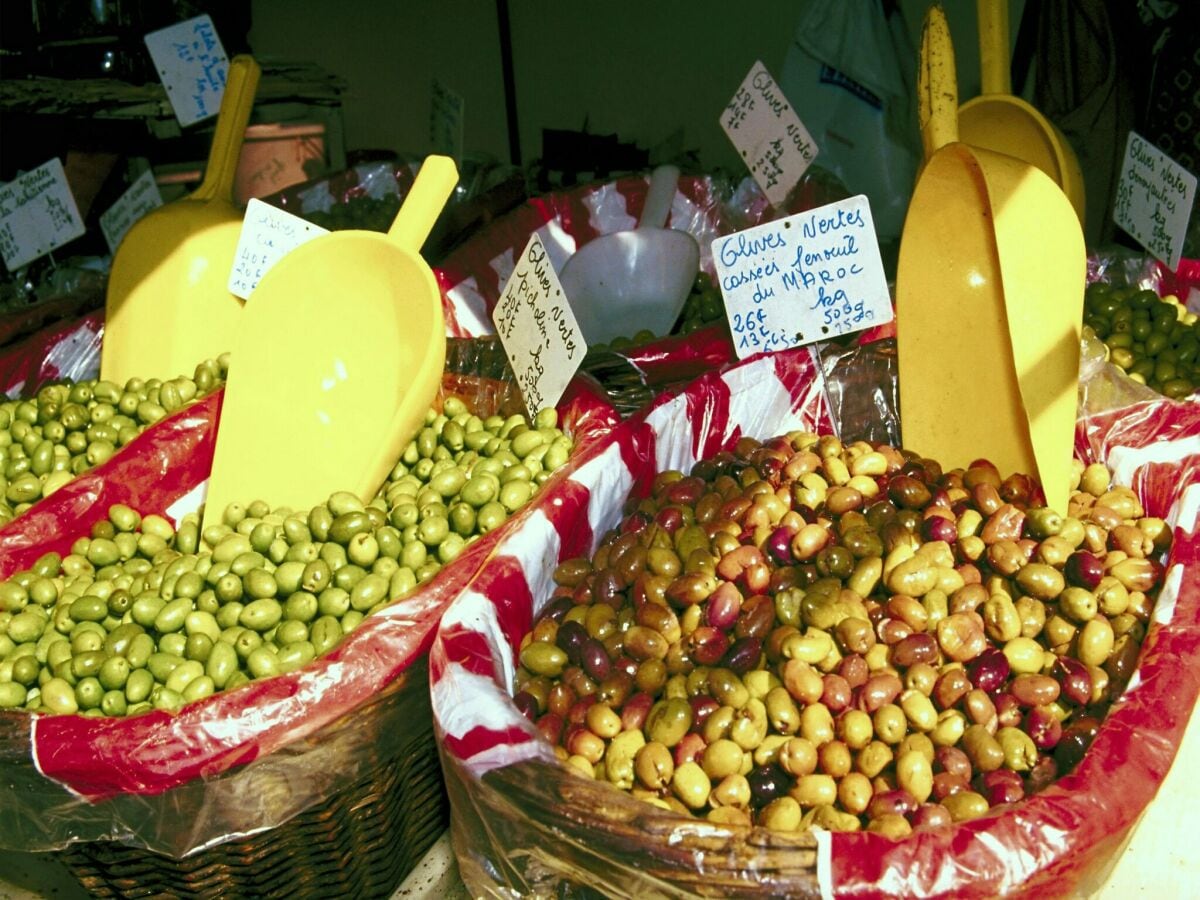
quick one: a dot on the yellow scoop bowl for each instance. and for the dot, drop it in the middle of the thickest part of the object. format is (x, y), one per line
(989, 298)
(338, 355)
(997, 120)
(168, 306)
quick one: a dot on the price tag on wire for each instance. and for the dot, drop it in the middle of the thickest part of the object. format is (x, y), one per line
(538, 330)
(268, 235)
(38, 214)
(192, 65)
(770, 137)
(802, 280)
(1154, 200)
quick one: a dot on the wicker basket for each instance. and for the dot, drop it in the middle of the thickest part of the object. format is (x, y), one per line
(587, 824)
(360, 842)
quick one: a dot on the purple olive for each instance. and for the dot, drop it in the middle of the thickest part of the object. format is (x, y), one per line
(1084, 569)
(743, 654)
(556, 609)
(706, 645)
(899, 801)
(1008, 709)
(989, 670)
(1075, 740)
(768, 782)
(594, 659)
(779, 546)
(939, 528)
(1074, 678)
(570, 638)
(930, 815)
(1044, 727)
(527, 704)
(723, 605)
(703, 706)
(1000, 786)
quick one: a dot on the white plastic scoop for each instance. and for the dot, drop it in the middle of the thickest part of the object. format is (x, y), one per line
(622, 283)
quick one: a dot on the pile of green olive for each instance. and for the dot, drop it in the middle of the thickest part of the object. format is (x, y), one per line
(69, 428)
(1155, 341)
(804, 633)
(142, 616)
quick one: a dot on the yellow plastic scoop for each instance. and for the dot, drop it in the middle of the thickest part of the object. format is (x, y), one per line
(996, 120)
(168, 306)
(337, 357)
(989, 298)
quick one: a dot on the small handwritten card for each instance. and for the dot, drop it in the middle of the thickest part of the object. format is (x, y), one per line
(446, 113)
(1154, 199)
(37, 214)
(141, 197)
(768, 134)
(809, 277)
(192, 65)
(538, 330)
(268, 235)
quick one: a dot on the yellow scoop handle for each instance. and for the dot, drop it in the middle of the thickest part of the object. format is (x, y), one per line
(429, 193)
(937, 84)
(993, 46)
(241, 83)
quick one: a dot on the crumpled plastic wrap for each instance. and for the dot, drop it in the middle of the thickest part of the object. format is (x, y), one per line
(522, 825)
(240, 761)
(68, 350)
(705, 206)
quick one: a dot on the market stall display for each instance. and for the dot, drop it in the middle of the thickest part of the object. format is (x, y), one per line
(303, 755)
(550, 829)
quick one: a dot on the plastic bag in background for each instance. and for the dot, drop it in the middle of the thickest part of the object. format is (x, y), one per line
(849, 75)
(368, 195)
(242, 761)
(863, 387)
(524, 825)
(65, 351)
(63, 291)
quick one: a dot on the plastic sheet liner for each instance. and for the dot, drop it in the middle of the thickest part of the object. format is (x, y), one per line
(522, 825)
(240, 761)
(68, 350)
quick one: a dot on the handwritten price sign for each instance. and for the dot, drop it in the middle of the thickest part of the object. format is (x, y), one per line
(809, 277)
(268, 235)
(1154, 199)
(766, 131)
(538, 330)
(37, 215)
(192, 65)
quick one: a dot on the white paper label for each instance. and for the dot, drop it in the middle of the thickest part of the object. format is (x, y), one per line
(809, 277)
(192, 65)
(1154, 199)
(768, 134)
(268, 235)
(141, 197)
(37, 214)
(538, 329)
(446, 113)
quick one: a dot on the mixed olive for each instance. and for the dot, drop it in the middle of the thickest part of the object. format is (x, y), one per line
(67, 429)
(1155, 341)
(141, 615)
(804, 633)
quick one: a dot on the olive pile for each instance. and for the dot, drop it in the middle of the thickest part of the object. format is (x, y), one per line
(140, 616)
(362, 212)
(1156, 341)
(70, 428)
(804, 633)
(704, 305)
